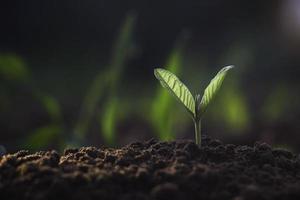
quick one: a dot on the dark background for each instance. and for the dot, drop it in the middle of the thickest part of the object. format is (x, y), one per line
(51, 51)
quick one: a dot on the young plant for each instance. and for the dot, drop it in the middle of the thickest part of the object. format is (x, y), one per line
(196, 106)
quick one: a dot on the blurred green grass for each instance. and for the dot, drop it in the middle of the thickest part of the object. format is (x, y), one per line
(106, 85)
(163, 115)
(108, 104)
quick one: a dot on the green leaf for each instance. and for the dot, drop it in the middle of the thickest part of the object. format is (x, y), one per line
(169, 81)
(212, 89)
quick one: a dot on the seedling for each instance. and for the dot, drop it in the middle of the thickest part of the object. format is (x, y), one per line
(196, 106)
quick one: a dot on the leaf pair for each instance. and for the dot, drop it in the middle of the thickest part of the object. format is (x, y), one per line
(194, 105)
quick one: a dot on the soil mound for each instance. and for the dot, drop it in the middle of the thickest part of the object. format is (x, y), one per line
(153, 170)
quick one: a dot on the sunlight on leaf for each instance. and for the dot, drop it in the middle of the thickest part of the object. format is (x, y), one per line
(169, 81)
(212, 89)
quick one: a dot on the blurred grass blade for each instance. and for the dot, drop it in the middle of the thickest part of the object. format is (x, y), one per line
(89, 105)
(109, 121)
(169, 81)
(163, 103)
(232, 109)
(275, 106)
(43, 136)
(51, 106)
(106, 82)
(235, 110)
(212, 89)
(13, 68)
(122, 47)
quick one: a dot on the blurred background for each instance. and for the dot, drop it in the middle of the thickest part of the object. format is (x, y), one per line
(79, 73)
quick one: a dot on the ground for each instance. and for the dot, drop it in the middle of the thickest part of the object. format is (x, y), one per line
(153, 170)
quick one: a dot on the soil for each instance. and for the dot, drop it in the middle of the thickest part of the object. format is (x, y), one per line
(153, 170)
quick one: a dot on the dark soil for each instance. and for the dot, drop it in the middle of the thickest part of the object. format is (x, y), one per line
(153, 170)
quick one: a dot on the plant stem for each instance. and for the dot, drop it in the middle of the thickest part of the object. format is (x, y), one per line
(198, 132)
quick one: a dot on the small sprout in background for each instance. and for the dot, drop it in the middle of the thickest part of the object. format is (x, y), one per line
(161, 118)
(51, 106)
(194, 105)
(50, 133)
(109, 121)
(42, 136)
(105, 87)
(14, 70)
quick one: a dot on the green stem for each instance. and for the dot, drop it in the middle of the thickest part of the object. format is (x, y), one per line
(198, 132)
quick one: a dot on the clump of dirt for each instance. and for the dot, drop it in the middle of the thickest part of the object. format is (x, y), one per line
(153, 170)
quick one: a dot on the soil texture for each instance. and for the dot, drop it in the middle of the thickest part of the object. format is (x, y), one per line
(153, 170)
